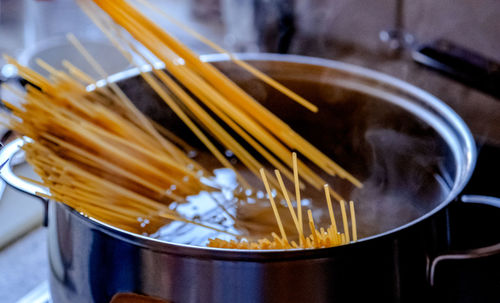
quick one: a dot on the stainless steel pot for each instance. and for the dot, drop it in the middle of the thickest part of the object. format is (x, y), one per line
(413, 153)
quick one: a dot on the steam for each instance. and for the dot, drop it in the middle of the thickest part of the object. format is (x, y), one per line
(401, 186)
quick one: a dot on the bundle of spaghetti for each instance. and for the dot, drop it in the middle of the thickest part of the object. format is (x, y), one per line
(97, 160)
(96, 152)
(196, 91)
(317, 239)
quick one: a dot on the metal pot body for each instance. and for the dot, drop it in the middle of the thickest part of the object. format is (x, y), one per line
(93, 263)
(412, 152)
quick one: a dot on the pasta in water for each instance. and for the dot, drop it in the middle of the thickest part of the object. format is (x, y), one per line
(317, 239)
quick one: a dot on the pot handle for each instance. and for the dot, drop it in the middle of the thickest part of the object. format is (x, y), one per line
(8, 155)
(471, 253)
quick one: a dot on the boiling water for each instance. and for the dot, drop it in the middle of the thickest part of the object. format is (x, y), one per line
(249, 214)
(233, 209)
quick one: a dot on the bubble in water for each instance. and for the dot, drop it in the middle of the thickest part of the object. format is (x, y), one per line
(168, 192)
(199, 173)
(179, 61)
(140, 219)
(192, 154)
(190, 166)
(248, 192)
(228, 153)
(260, 194)
(305, 202)
(146, 221)
(173, 187)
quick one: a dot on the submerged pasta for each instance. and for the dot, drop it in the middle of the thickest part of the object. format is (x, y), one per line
(321, 238)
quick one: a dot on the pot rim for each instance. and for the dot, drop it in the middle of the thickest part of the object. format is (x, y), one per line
(431, 102)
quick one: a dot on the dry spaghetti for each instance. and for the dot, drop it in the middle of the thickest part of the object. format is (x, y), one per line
(98, 153)
(266, 133)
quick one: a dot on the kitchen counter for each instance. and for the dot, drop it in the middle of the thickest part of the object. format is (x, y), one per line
(23, 266)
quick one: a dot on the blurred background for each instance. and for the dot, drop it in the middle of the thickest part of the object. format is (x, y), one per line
(386, 35)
